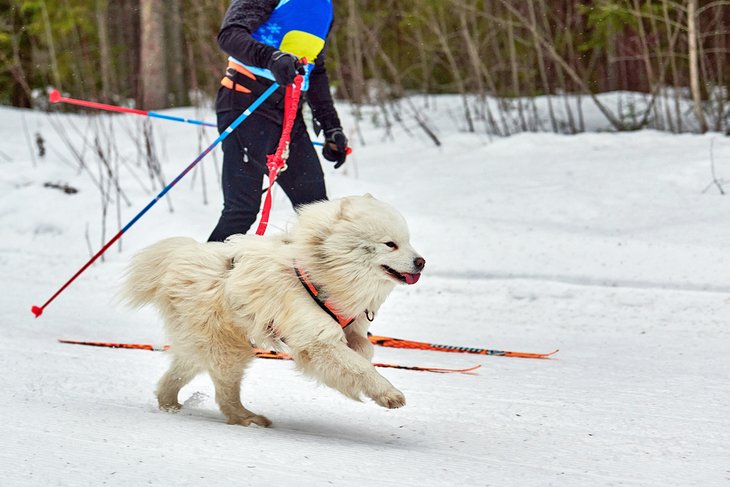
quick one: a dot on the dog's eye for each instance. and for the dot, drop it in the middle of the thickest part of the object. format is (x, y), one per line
(392, 245)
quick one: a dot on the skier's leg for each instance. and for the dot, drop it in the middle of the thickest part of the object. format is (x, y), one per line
(244, 166)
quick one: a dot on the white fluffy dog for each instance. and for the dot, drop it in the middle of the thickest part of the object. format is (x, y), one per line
(312, 291)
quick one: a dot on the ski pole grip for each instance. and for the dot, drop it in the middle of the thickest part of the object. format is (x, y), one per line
(54, 96)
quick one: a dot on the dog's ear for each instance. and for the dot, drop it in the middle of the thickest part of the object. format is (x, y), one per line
(368, 195)
(345, 211)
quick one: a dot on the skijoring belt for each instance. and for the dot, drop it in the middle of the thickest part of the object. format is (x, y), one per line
(240, 79)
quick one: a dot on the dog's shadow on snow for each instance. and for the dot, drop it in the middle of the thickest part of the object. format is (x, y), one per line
(322, 429)
(357, 434)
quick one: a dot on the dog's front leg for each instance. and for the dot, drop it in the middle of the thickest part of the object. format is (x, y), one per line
(357, 339)
(341, 368)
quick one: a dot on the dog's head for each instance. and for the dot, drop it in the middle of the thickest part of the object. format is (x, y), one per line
(361, 235)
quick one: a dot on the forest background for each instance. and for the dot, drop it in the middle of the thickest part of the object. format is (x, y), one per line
(498, 55)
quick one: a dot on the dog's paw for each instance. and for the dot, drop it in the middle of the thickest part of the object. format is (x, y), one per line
(391, 399)
(170, 407)
(256, 419)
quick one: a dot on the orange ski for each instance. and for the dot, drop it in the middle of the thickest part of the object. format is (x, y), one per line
(285, 356)
(133, 346)
(269, 354)
(399, 343)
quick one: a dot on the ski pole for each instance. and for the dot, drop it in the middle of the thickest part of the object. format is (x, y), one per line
(55, 97)
(38, 310)
(348, 150)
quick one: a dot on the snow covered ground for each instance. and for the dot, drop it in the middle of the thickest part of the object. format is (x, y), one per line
(604, 245)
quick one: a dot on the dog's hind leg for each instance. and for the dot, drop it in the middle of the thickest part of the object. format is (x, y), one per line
(178, 375)
(226, 371)
(349, 372)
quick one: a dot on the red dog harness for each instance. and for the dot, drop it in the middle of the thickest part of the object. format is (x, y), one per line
(328, 308)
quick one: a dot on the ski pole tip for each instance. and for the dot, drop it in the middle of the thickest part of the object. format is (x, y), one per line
(37, 311)
(54, 96)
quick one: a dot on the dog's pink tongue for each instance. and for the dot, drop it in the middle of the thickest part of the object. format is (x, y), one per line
(412, 278)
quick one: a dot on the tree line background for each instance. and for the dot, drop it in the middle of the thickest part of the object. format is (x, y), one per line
(163, 53)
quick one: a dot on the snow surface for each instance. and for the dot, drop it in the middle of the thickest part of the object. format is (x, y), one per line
(608, 246)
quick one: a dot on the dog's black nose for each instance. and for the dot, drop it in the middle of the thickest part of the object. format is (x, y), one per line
(419, 263)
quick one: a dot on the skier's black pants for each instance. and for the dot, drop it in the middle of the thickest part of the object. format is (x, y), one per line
(244, 167)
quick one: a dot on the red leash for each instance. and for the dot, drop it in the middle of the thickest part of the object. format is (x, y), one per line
(277, 162)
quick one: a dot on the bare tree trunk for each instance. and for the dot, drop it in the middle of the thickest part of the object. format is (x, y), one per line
(436, 20)
(718, 76)
(105, 62)
(480, 71)
(51, 46)
(646, 56)
(21, 93)
(553, 53)
(175, 50)
(152, 57)
(514, 70)
(355, 46)
(694, 77)
(541, 65)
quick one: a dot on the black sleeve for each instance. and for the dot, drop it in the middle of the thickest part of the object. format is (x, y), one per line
(319, 96)
(243, 18)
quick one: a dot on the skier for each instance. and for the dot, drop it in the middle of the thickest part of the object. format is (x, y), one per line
(265, 40)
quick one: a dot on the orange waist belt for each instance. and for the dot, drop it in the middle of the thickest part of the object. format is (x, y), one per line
(228, 82)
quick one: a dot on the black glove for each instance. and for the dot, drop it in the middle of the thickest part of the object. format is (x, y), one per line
(285, 66)
(335, 146)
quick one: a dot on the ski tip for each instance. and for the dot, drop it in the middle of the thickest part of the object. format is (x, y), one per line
(37, 311)
(466, 371)
(546, 355)
(529, 354)
(54, 96)
(470, 370)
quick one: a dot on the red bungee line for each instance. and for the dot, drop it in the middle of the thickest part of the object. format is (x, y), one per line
(277, 162)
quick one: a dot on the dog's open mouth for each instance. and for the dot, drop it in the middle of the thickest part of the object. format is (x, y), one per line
(404, 277)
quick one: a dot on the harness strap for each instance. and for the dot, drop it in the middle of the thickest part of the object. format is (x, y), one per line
(230, 84)
(241, 69)
(325, 305)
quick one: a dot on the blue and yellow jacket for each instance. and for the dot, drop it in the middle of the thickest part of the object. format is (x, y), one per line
(253, 30)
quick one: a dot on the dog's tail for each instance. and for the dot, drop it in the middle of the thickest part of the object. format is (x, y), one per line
(147, 272)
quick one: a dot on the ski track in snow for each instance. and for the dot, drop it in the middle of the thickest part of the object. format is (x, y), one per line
(585, 281)
(601, 245)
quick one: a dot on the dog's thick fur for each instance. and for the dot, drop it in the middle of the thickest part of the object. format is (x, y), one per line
(217, 299)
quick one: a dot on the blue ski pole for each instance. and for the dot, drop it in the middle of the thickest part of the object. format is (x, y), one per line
(38, 310)
(55, 97)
